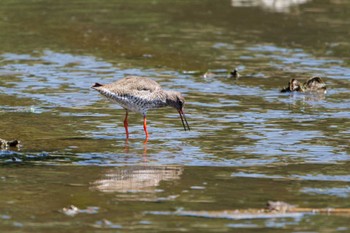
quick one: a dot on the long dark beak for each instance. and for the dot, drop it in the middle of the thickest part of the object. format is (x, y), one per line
(183, 120)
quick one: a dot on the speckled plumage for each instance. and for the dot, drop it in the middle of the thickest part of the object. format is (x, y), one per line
(140, 94)
(136, 94)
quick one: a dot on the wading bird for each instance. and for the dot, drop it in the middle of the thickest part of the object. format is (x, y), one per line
(140, 94)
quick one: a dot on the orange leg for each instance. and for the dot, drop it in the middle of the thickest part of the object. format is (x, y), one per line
(126, 124)
(145, 127)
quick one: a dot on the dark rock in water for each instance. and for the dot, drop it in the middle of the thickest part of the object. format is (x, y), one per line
(234, 74)
(6, 144)
(13, 143)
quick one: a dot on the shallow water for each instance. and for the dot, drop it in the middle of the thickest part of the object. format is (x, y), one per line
(248, 143)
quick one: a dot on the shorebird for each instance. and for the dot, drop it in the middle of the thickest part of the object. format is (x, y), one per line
(140, 94)
(314, 84)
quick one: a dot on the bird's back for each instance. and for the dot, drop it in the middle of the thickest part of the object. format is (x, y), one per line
(315, 84)
(133, 84)
(134, 93)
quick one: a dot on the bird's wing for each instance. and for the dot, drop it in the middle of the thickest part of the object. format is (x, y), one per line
(315, 83)
(132, 84)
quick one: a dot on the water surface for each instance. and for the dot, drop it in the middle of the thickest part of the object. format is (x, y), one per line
(249, 143)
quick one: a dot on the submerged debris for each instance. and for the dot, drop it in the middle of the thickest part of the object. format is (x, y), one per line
(222, 74)
(314, 84)
(283, 207)
(278, 206)
(274, 209)
(104, 223)
(73, 210)
(4, 144)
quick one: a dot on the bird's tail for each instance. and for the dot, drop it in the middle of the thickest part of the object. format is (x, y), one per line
(96, 85)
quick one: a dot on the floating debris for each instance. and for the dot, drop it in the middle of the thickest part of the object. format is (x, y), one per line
(208, 74)
(314, 84)
(283, 207)
(221, 74)
(228, 214)
(73, 210)
(191, 72)
(197, 187)
(279, 206)
(273, 209)
(104, 223)
(14, 159)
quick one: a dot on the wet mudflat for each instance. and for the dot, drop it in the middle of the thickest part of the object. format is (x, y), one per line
(249, 143)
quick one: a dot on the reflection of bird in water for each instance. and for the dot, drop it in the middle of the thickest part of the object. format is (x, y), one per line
(137, 178)
(314, 84)
(140, 94)
(273, 5)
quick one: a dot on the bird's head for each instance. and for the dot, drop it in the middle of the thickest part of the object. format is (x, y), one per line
(176, 100)
(294, 85)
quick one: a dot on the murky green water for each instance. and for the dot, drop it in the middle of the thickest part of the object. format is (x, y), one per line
(248, 144)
